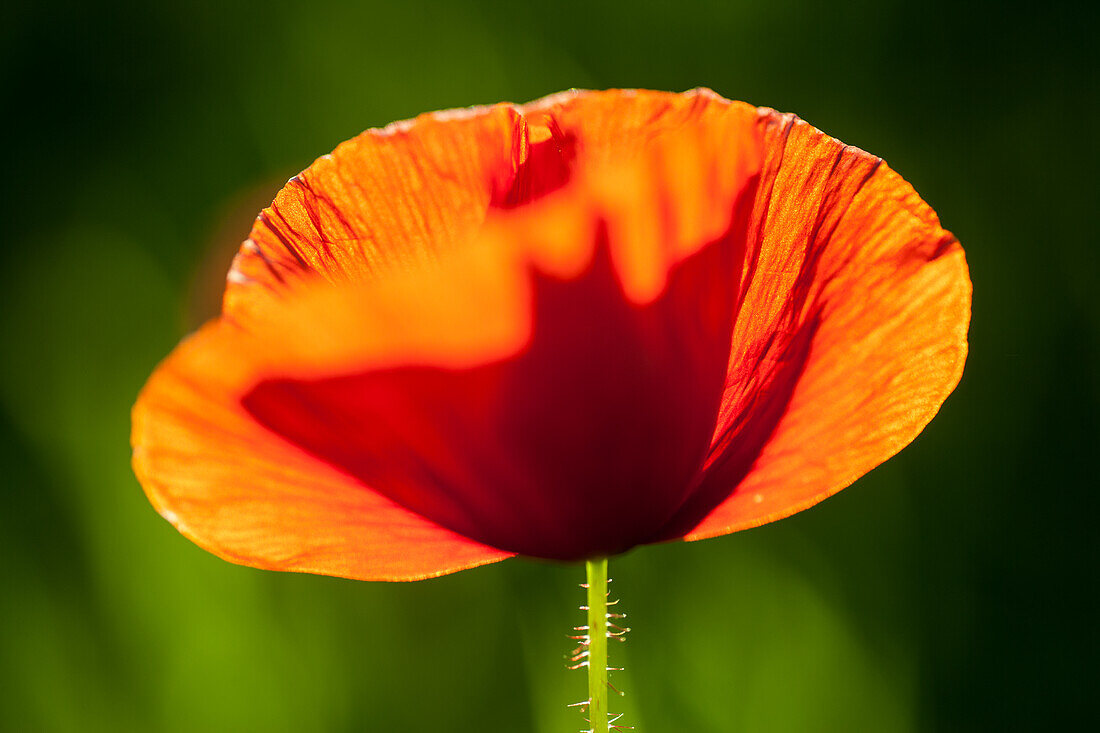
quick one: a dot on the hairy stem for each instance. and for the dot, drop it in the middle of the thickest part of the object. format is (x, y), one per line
(597, 644)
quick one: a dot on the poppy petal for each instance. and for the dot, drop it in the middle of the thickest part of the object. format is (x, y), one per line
(582, 442)
(250, 497)
(396, 197)
(562, 329)
(851, 333)
(389, 198)
(484, 393)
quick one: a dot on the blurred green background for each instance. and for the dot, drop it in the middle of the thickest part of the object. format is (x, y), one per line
(949, 590)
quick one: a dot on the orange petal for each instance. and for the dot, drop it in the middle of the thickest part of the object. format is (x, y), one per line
(242, 492)
(560, 329)
(388, 199)
(397, 197)
(482, 394)
(851, 334)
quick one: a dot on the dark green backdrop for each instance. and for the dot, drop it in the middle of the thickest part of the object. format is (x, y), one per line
(951, 589)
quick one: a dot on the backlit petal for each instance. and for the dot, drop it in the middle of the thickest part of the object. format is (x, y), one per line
(391, 198)
(548, 387)
(851, 334)
(584, 441)
(561, 329)
(250, 497)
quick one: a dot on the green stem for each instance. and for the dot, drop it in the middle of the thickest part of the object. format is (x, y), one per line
(597, 644)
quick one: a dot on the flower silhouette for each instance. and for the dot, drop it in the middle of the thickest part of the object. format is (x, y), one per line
(562, 330)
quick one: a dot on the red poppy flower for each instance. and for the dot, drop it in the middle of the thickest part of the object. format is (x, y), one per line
(561, 329)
